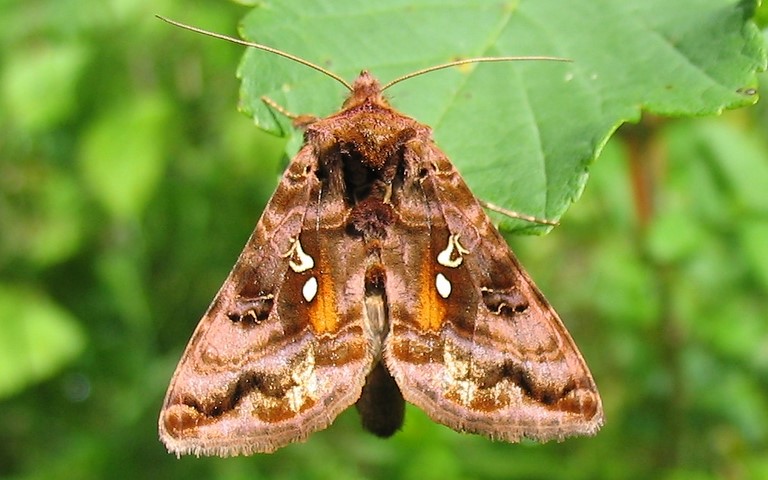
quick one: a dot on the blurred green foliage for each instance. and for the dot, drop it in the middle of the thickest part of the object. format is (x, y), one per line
(129, 183)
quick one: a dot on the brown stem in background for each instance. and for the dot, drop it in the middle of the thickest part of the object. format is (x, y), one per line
(647, 165)
(645, 159)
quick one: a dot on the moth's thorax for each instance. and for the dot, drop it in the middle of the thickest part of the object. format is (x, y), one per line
(367, 129)
(361, 155)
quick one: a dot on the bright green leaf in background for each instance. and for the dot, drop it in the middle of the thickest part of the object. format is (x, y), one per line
(123, 154)
(39, 85)
(129, 183)
(38, 338)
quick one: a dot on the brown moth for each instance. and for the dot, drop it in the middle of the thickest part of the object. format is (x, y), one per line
(374, 276)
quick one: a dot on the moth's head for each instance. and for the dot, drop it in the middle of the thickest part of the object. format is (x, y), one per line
(365, 89)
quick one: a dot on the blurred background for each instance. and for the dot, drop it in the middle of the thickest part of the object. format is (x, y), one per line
(129, 183)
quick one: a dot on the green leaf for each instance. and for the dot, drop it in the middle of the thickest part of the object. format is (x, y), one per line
(39, 85)
(122, 155)
(522, 134)
(37, 338)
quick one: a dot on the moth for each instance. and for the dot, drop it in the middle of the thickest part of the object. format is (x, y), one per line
(374, 277)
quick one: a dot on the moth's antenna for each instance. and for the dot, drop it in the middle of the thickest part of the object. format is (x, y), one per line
(260, 47)
(469, 60)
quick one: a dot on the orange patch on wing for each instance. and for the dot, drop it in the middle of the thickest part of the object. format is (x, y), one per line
(323, 315)
(432, 309)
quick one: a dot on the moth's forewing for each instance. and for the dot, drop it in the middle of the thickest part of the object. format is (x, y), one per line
(281, 351)
(472, 341)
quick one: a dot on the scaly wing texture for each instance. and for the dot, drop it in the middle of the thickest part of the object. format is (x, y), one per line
(281, 351)
(472, 341)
